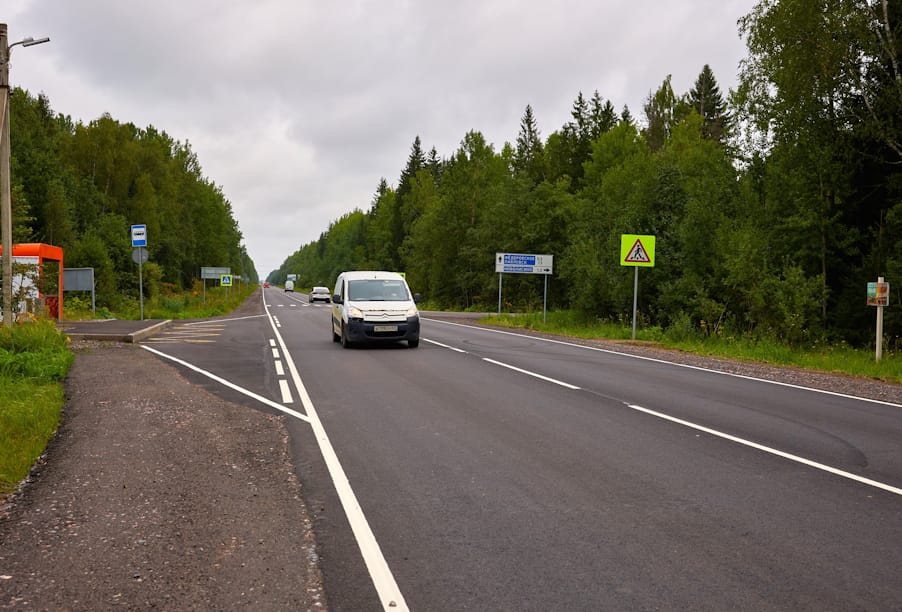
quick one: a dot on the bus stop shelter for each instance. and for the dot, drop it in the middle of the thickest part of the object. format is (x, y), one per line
(47, 282)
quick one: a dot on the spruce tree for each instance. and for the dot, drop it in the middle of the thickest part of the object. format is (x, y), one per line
(529, 156)
(706, 99)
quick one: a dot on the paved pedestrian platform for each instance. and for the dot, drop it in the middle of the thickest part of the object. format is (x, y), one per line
(113, 330)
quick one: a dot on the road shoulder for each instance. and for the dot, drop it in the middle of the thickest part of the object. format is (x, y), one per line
(156, 494)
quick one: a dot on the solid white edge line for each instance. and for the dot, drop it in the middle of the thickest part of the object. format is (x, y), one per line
(673, 363)
(243, 391)
(286, 392)
(528, 373)
(383, 580)
(768, 449)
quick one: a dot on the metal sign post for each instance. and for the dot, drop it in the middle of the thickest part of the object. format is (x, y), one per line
(520, 263)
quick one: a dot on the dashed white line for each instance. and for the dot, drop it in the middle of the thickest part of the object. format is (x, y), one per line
(286, 392)
(534, 374)
(452, 348)
(768, 449)
(280, 371)
(673, 363)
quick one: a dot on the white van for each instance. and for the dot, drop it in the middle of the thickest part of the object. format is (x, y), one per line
(289, 286)
(374, 307)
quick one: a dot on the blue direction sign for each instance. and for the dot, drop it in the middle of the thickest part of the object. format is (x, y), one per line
(139, 235)
(521, 263)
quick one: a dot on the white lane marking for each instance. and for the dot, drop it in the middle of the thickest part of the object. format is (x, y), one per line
(528, 373)
(214, 322)
(275, 320)
(275, 353)
(230, 385)
(272, 342)
(714, 432)
(679, 365)
(386, 587)
(286, 392)
(443, 345)
(280, 371)
(768, 449)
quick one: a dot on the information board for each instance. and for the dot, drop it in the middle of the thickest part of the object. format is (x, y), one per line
(522, 263)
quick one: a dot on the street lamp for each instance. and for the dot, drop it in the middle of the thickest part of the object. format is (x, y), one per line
(5, 197)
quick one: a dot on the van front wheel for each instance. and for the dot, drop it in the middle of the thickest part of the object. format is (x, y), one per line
(344, 337)
(413, 343)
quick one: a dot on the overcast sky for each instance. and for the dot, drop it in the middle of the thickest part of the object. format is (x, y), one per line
(297, 108)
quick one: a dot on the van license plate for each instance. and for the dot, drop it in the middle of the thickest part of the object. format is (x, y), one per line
(385, 328)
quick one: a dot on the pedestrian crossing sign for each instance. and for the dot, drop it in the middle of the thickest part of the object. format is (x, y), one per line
(637, 250)
(225, 280)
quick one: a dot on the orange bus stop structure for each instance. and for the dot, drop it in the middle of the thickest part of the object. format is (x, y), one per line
(38, 253)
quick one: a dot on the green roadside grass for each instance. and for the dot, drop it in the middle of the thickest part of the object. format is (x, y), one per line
(825, 358)
(34, 361)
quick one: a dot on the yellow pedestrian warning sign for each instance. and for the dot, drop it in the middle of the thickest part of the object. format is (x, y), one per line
(637, 250)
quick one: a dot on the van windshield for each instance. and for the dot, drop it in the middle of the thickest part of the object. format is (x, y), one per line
(372, 290)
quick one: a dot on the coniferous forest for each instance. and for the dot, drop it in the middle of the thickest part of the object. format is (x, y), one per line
(772, 205)
(81, 187)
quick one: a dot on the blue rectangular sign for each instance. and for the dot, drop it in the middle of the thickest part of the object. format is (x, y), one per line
(514, 259)
(139, 235)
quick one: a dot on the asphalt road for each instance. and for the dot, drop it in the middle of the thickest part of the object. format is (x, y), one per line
(497, 471)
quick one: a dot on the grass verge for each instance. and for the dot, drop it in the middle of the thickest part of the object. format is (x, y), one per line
(34, 360)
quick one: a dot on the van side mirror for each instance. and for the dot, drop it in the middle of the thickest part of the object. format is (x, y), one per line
(336, 299)
(416, 298)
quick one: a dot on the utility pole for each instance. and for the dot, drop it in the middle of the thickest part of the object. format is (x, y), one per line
(6, 219)
(6, 207)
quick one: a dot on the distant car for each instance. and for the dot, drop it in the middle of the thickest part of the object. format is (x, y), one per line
(266, 285)
(320, 293)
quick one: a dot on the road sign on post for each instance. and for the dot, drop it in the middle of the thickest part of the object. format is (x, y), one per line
(637, 251)
(522, 263)
(878, 295)
(139, 256)
(212, 273)
(225, 280)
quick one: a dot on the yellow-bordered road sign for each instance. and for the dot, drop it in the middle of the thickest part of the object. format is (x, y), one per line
(225, 280)
(637, 250)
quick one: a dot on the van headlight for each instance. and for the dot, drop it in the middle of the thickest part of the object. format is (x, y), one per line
(354, 313)
(412, 312)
